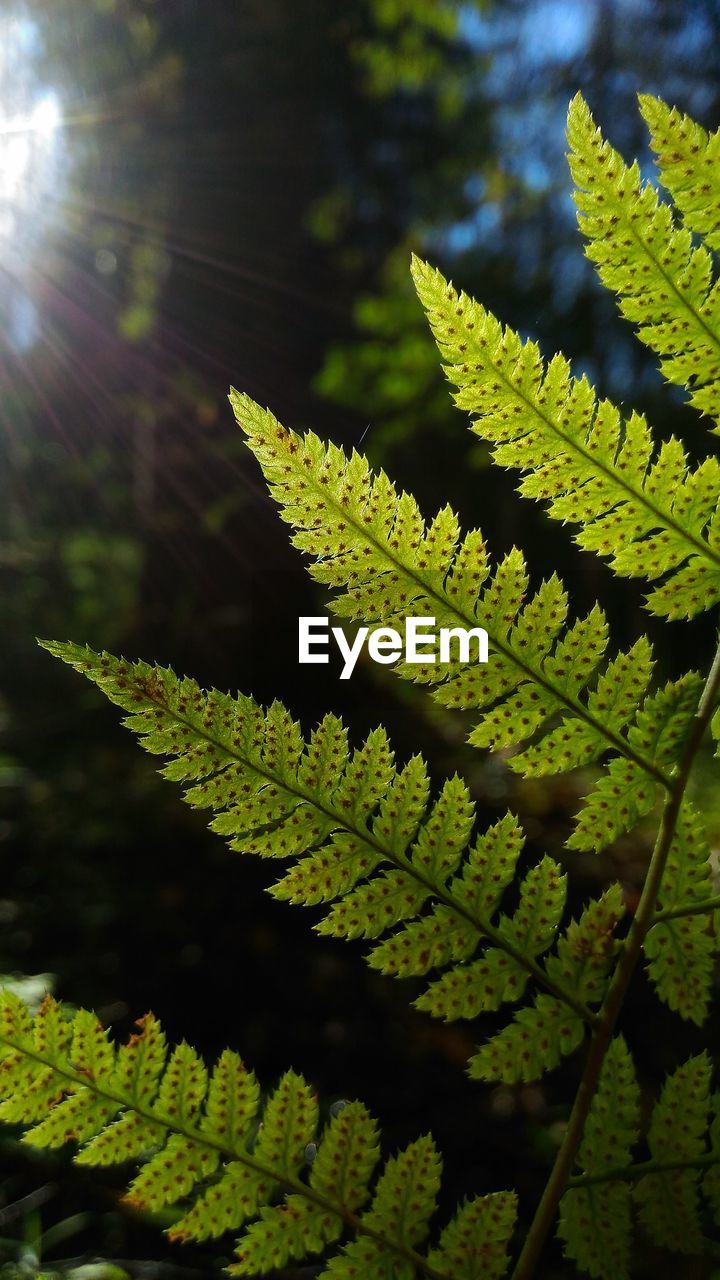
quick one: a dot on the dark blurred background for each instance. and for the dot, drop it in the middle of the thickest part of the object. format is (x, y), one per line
(198, 194)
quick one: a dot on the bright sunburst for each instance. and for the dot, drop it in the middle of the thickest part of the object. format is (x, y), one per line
(30, 175)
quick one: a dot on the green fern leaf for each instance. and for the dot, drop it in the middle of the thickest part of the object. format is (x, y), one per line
(137, 1067)
(221, 1161)
(371, 541)
(538, 1038)
(345, 1162)
(541, 1034)
(688, 160)
(651, 516)
(681, 950)
(285, 1233)
(361, 838)
(443, 935)
(467, 990)
(371, 545)
(588, 946)
(404, 1201)
(233, 1096)
(474, 1244)
(533, 924)
(624, 794)
(665, 286)
(340, 1174)
(669, 1207)
(237, 1196)
(596, 1221)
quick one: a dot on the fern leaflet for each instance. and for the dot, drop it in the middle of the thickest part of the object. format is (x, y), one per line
(622, 795)
(545, 1031)
(681, 948)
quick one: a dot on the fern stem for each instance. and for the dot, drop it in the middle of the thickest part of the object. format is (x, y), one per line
(624, 970)
(230, 1153)
(703, 906)
(632, 1172)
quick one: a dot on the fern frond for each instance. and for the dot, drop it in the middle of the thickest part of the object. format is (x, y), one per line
(681, 949)
(371, 545)
(223, 1162)
(688, 158)
(643, 509)
(669, 1202)
(362, 839)
(664, 285)
(596, 1221)
(473, 1246)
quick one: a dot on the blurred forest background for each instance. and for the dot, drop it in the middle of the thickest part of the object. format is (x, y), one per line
(198, 194)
